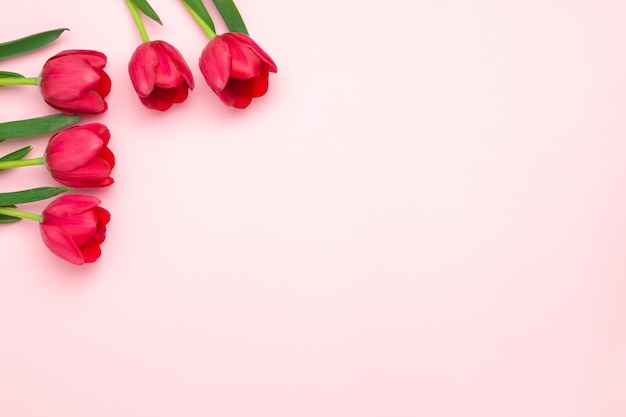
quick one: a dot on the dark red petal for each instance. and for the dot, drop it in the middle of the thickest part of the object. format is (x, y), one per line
(254, 87)
(104, 85)
(91, 251)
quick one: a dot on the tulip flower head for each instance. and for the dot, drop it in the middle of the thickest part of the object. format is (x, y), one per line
(73, 227)
(74, 82)
(236, 68)
(79, 156)
(160, 75)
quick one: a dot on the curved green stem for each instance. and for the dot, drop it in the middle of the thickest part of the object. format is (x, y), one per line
(21, 214)
(21, 163)
(205, 28)
(19, 81)
(138, 22)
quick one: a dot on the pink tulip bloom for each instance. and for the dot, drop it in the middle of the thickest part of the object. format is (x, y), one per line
(73, 227)
(74, 82)
(160, 75)
(79, 156)
(236, 68)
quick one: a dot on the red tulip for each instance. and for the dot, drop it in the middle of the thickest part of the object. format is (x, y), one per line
(236, 68)
(73, 227)
(79, 157)
(74, 82)
(160, 75)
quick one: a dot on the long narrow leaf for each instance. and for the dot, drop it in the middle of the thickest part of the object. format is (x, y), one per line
(5, 219)
(7, 74)
(28, 196)
(19, 154)
(29, 43)
(147, 10)
(198, 7)
(36, 126)
(230, 15)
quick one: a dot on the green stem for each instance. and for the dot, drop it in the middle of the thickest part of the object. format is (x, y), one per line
(19, 81)
(21, 214)
(138, 22)
(205, 28)
(21, 163)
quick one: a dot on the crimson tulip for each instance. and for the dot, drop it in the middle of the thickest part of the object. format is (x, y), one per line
(79, 156)
(236, 68)
(74, 82)
(73, 227)
(160, 75)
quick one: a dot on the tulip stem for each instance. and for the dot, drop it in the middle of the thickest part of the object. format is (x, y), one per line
(138, 22)
(205, 28)
(19, 81)
(21, 214)
(21, 163)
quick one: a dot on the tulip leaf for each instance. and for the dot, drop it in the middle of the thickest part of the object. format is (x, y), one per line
(19, 154)
(35, 126)
(28, 196)
(7, 74)
(231, 16)
(6, 219)
(198, 8)
(29, 43)
(147, 10)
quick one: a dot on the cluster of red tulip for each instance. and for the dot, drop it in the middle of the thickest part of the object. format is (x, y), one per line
(232, 64)
(73, 82)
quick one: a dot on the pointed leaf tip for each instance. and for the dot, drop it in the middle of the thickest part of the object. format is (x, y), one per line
(29, 43)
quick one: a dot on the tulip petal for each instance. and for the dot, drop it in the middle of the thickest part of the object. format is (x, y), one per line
(94, 58)
(90, 103)
(215, 63)
(256, 48)
(153, 101)
(72, 149)
(179, 62)
(61, 244)
(103, 88)
(166, 73)
(244, 63)
(91, 251)
(79, 227)
(254, 87)
(141, 69)
(68, 78)
(70, 205)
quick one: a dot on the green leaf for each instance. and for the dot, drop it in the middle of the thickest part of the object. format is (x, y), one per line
(7, 74)
(28, 196)
(198, 8)
(231, 15)
(147, 10)
(35, 126)
(29, 43)
(14, 156)
(5, 219)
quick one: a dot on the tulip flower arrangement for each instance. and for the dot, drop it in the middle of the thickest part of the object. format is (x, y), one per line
(73, 81)
(232, 64)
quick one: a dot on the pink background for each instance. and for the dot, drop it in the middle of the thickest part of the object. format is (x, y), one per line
(425, 216)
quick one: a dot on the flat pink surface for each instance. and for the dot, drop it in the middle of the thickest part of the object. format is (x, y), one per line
(425, 216)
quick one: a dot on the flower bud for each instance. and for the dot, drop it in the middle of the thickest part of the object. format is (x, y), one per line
(160, 75)
(236, 68)
(79, 156)
(73, 227)
(74, 82)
